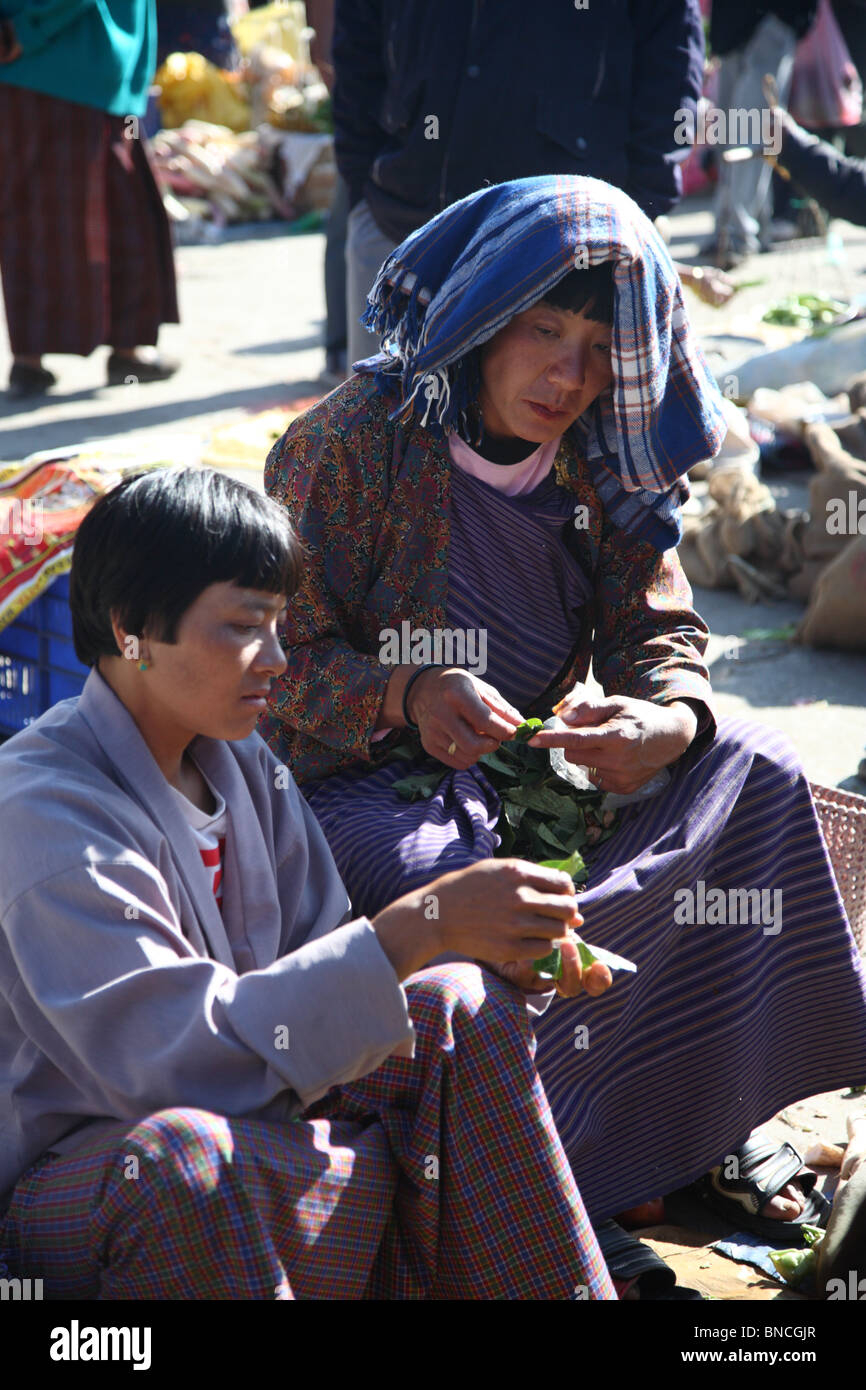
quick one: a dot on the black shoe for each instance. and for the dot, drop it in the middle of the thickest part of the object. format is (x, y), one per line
(29, 381)
(628, 1258)
(132, 371)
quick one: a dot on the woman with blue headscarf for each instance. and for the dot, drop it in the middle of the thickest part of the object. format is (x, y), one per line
(508, 473)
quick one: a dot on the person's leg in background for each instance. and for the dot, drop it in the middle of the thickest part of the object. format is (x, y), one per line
(51, 154)
(142, 287)
(742, 205)
(366, 249)
(336, 369)
(85, 248)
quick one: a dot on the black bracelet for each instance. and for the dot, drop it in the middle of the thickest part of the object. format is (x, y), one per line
(425, 666)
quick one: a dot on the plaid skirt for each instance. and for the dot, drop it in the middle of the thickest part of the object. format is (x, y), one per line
(85, 245)
(440, 1177)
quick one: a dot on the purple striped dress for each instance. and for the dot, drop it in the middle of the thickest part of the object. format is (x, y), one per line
(385, 846)
(724, 1023)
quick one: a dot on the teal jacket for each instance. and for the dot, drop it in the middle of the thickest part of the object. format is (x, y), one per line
(98, 53)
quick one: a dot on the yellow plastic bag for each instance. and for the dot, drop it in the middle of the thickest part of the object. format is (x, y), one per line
(279, 25)
(193, 88)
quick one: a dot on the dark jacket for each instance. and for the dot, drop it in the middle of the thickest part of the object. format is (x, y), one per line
(433, 100)
(733, 22)
(835, 180)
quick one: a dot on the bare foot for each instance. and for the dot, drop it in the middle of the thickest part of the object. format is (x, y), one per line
(787, 1205)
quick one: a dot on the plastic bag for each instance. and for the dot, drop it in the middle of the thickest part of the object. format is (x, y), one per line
(829, 362)
(825, 86)
(579, 779)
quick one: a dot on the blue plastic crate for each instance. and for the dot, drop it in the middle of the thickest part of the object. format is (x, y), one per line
(38, 665)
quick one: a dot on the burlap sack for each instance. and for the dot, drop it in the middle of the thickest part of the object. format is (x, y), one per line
(836, 616)
(703, 557)
(852, 434)
(857, 391)
(801, 584)
(835, 495)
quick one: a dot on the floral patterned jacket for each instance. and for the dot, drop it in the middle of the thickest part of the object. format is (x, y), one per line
(370, 498)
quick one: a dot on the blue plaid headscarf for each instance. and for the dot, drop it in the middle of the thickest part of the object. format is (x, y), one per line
(450, 286)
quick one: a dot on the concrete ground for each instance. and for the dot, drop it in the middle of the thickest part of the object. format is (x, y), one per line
(252, 319)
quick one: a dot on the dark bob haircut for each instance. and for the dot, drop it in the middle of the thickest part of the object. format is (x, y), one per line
(590, 290)
(148, 548)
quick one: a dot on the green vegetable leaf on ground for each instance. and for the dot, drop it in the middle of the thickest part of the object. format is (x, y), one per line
(794, 1266)
(770, 634)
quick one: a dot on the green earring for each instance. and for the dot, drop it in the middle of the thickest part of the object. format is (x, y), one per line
(143, 665)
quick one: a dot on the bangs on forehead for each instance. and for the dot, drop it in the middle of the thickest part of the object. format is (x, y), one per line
(150, 547)
(590, 290)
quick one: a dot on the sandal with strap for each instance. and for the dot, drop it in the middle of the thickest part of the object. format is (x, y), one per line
(764, 1168)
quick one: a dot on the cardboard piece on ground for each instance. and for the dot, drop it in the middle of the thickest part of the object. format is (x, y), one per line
(698, 1267)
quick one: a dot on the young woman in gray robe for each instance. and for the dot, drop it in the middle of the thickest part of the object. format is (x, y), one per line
(215, 1082)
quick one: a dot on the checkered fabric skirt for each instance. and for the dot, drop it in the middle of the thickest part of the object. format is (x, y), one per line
(85, 246)
(441, 1177)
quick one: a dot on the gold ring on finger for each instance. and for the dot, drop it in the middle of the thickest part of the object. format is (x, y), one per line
(452, 749)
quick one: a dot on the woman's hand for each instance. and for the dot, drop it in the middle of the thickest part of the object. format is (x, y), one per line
(622, 741)
(505, 912)
(10, 48)
(459, 716)
(572, 980)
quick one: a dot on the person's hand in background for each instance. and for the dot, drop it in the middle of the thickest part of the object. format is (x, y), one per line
(709, 284)
(10, 48)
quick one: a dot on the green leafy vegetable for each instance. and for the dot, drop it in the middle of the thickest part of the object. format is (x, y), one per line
(549, 967)
(417, 786)
(808, 311)
(795, 1266)
(769, 634)
(541, 813)
(526, 730)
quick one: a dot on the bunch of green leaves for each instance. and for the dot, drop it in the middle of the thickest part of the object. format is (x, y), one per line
(540, 812)
(810, 311)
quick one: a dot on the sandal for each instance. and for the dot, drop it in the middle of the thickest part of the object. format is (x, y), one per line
(765, 1167)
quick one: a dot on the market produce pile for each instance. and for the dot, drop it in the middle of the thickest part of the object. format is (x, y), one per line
(540, 812)
(813, 312)
(213, 172)
(248, 145)
(271, 87)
